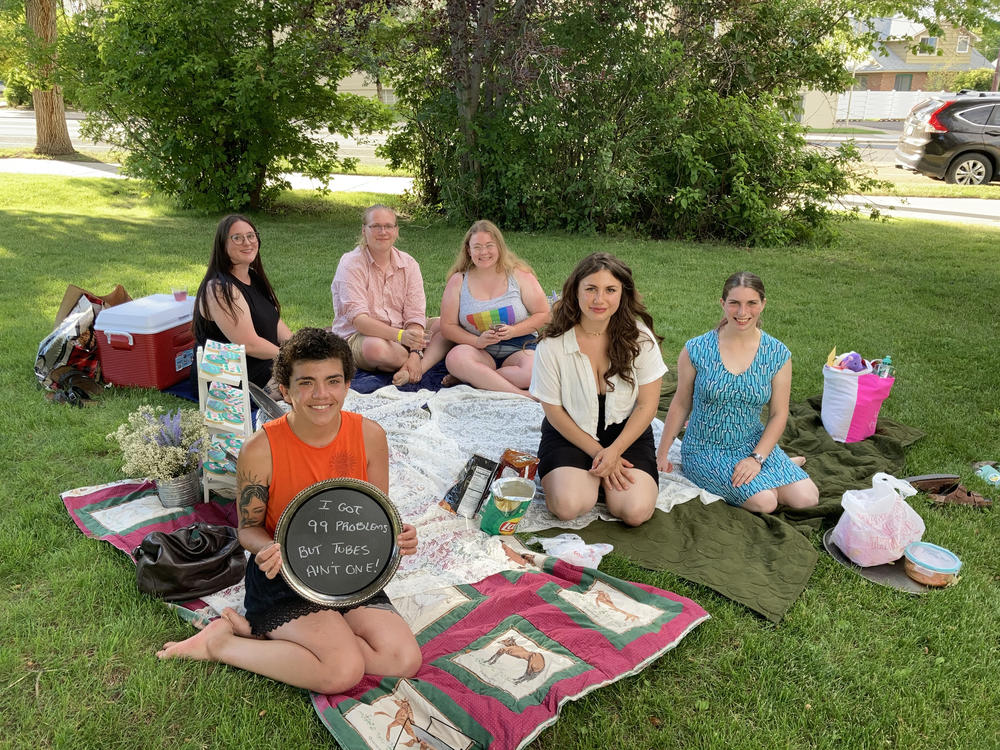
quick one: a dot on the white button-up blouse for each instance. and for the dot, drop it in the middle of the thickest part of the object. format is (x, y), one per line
(562, 376)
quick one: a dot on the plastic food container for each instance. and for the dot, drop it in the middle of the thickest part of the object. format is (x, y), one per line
(930, 564)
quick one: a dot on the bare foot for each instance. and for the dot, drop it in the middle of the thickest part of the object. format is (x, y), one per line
(799, 460)
(402, 377)
(200, 645)
(240, 624)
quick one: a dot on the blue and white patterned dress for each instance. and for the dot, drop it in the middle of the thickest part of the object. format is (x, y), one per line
(725, 427)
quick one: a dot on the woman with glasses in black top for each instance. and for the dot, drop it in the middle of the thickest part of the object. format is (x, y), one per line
(235, 302)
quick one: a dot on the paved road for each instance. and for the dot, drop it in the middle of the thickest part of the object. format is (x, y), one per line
(876, 149)
(17, 130)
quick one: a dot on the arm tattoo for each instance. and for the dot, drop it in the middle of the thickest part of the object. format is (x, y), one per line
(252, 500)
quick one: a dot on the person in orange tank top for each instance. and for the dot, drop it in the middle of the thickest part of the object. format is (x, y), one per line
(284, 636)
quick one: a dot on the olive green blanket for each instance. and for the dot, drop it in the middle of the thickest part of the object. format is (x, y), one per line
(763, 562)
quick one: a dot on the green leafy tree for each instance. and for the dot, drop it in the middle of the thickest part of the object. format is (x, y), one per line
(211, 100)
(979, 79)
(29, 32)
(667, 119)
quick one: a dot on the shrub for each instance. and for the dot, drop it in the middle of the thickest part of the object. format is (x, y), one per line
(670, 120)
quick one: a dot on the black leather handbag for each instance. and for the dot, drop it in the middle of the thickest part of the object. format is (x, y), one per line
(188, 563)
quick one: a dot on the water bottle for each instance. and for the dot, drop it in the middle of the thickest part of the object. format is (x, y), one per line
(885, 368)
(989, 474)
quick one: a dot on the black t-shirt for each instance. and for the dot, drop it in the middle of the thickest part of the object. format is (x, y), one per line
(263, 315)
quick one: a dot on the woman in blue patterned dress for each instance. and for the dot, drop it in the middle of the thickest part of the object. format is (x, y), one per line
(724, 378)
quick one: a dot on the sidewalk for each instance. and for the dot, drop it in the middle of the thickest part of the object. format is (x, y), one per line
(961, 210)
(342, 183)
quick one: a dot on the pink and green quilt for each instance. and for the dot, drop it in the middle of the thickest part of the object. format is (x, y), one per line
(500, 656)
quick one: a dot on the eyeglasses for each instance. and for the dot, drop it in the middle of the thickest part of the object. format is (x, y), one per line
(381, 227)
(241, 239)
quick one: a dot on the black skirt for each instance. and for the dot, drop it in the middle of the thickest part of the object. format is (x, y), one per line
(271, 602)
(555, 451)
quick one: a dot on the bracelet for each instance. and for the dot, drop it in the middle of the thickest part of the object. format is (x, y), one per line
(758, 458)
(399, 336)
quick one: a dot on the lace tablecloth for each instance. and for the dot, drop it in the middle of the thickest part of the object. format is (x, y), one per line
(431, 436)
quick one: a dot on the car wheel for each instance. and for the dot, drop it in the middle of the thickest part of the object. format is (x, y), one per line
(970, 169)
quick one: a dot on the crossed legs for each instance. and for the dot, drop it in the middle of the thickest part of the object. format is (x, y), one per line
(390, 356)
(325, 652)
(477, 368)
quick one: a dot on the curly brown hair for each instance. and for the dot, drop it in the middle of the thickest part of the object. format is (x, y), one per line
(311, 345)
(623, 329)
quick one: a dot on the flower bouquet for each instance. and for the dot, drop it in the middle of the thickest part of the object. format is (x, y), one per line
(168, 446)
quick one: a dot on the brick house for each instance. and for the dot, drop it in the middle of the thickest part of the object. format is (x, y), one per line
(899, 68)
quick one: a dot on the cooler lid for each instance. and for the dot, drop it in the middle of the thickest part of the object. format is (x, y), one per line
(152, 314)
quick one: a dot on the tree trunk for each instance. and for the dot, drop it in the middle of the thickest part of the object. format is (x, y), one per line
(51, 133)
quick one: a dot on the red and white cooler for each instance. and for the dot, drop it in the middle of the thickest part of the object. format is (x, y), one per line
(146, 342)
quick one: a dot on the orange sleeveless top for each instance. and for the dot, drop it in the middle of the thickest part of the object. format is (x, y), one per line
(296, 465)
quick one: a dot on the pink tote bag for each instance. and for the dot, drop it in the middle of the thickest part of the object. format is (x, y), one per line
(851, 402)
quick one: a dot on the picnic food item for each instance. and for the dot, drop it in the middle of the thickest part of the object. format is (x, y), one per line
(876, 526)
(930, 564)
(524, 464)
(509, 499)
(989, 474)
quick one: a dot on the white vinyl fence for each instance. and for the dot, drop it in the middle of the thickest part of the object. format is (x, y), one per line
(880, 105)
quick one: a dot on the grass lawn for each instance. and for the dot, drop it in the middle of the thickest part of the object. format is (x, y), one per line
(853, 665)
(917, 185)
(367, 166)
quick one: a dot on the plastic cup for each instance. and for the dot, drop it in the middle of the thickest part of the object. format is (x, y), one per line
(180, 293)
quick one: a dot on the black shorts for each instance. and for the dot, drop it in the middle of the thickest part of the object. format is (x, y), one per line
(555, 451)
(271, 602)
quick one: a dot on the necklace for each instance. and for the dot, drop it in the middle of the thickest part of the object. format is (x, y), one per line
(584, 330)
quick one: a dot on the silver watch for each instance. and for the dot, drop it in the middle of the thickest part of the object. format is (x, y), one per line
(758, 458)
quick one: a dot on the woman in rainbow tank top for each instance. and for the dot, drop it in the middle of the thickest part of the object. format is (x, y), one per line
(492, 308)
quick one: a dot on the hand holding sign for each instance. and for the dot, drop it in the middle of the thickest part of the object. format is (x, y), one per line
(269, 560)
(340, 542)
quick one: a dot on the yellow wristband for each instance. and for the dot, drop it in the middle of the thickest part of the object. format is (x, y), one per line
(399, 336)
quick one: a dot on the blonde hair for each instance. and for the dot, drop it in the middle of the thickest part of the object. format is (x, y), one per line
(507, 260)
(363, 242)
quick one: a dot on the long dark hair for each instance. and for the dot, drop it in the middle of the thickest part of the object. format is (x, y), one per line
(623, 328)
(741, 279)
(219, 274)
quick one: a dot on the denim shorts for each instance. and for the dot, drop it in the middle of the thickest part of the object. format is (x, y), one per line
(504, 349)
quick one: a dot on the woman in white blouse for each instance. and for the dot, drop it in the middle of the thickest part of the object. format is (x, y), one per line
(597, 374)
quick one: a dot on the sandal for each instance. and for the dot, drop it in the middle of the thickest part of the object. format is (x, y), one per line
(449, 380)
(946, 489)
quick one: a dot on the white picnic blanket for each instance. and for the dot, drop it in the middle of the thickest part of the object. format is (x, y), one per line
(431, 436)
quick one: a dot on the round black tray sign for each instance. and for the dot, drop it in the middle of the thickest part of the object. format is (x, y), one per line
(338, 542)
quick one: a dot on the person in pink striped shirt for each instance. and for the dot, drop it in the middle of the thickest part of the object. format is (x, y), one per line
(380, 306)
